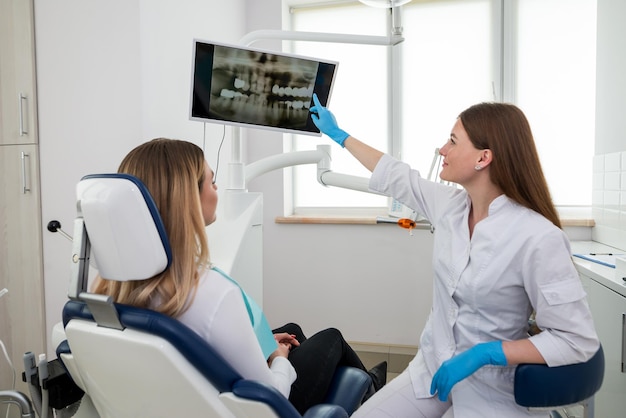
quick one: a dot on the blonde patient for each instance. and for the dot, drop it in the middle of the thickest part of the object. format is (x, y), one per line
(211, 303)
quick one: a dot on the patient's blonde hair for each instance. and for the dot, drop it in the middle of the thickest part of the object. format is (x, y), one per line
(173, 171)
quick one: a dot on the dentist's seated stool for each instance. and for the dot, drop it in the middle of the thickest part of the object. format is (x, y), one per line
(134, 362)
(540, 386)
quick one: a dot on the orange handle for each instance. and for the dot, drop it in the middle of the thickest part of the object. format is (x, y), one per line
(406, 223)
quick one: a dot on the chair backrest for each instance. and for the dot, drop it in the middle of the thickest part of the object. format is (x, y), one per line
(137, 362)
(540, 386)
(125, 230)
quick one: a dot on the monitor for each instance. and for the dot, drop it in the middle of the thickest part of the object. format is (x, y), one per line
(253, 88)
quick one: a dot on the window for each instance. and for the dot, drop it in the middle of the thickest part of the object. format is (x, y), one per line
(539, 54)
(555, 85)
(359, 99)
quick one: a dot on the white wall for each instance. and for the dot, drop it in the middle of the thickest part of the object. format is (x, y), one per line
(611, 83)
(111, 75)
(609, 177)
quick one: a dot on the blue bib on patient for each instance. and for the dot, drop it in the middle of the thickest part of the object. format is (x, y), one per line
(259, 323)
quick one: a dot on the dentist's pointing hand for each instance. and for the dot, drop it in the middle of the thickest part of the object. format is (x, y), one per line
(326, 123)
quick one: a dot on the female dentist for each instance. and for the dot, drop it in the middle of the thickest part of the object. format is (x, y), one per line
(499, 254)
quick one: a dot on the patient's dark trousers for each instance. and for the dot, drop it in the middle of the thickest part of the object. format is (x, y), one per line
(316, 361)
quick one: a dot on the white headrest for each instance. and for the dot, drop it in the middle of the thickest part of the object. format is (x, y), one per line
(124, 227)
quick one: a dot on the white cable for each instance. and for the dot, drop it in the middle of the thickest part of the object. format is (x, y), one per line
(6, 356)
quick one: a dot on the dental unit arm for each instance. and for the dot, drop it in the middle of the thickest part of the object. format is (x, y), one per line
(240, 175)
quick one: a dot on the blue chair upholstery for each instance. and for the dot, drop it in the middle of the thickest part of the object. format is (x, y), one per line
(349, 385)
(89, 318)
(540, 386)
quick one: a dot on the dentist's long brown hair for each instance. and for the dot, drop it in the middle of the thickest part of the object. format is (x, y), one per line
(515, 169)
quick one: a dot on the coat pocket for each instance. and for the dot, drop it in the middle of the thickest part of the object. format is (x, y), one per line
(565, 291)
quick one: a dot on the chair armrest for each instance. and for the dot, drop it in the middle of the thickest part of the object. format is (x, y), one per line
(344, 396)
(348, 388)
(540, 386)
(257, 391)
(326, 411)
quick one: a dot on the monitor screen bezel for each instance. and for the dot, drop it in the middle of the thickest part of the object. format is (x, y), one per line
(323, 91)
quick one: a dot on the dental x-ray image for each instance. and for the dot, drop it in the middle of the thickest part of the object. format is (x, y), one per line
(256, 88)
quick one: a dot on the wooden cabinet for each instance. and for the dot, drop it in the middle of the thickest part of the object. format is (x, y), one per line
(17, 73)
(22, 321)
(22, 325)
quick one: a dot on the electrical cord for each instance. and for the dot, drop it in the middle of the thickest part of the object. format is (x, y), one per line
(3, 292)
(219, 150)
(6, 356)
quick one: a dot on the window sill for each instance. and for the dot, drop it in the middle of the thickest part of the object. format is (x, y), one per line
(570, 217)
(343, 216)
(373, 220)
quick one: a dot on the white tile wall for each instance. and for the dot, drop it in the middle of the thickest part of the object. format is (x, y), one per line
(609, 198)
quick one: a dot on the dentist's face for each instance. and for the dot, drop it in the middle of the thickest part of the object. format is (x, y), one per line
(460, 157)
(208, 196)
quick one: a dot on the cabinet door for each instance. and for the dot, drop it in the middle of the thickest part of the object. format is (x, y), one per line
(608, 308)
(17, 73)
(22, 322)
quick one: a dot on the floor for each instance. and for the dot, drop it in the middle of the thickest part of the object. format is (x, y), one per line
(397, 356)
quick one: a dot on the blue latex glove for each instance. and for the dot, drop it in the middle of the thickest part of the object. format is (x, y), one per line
(465, 364)
(326, 123)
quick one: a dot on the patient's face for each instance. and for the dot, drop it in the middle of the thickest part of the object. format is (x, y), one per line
(208, 196)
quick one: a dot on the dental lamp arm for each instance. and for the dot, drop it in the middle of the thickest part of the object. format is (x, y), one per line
(393, 39)
(278, 161)
(321, 156)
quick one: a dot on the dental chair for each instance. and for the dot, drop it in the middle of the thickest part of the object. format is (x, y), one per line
(554, 388)
(134, 362)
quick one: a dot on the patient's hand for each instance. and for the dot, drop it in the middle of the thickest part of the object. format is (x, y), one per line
(283, 337)
(281, 351)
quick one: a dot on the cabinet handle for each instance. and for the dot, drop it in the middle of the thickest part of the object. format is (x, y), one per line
(22, 100)
(623, 342)
(25, 186)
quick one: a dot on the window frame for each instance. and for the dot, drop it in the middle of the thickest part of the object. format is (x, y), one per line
(504, 53)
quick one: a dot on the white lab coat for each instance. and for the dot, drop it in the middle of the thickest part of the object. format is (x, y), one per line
(486, 287)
